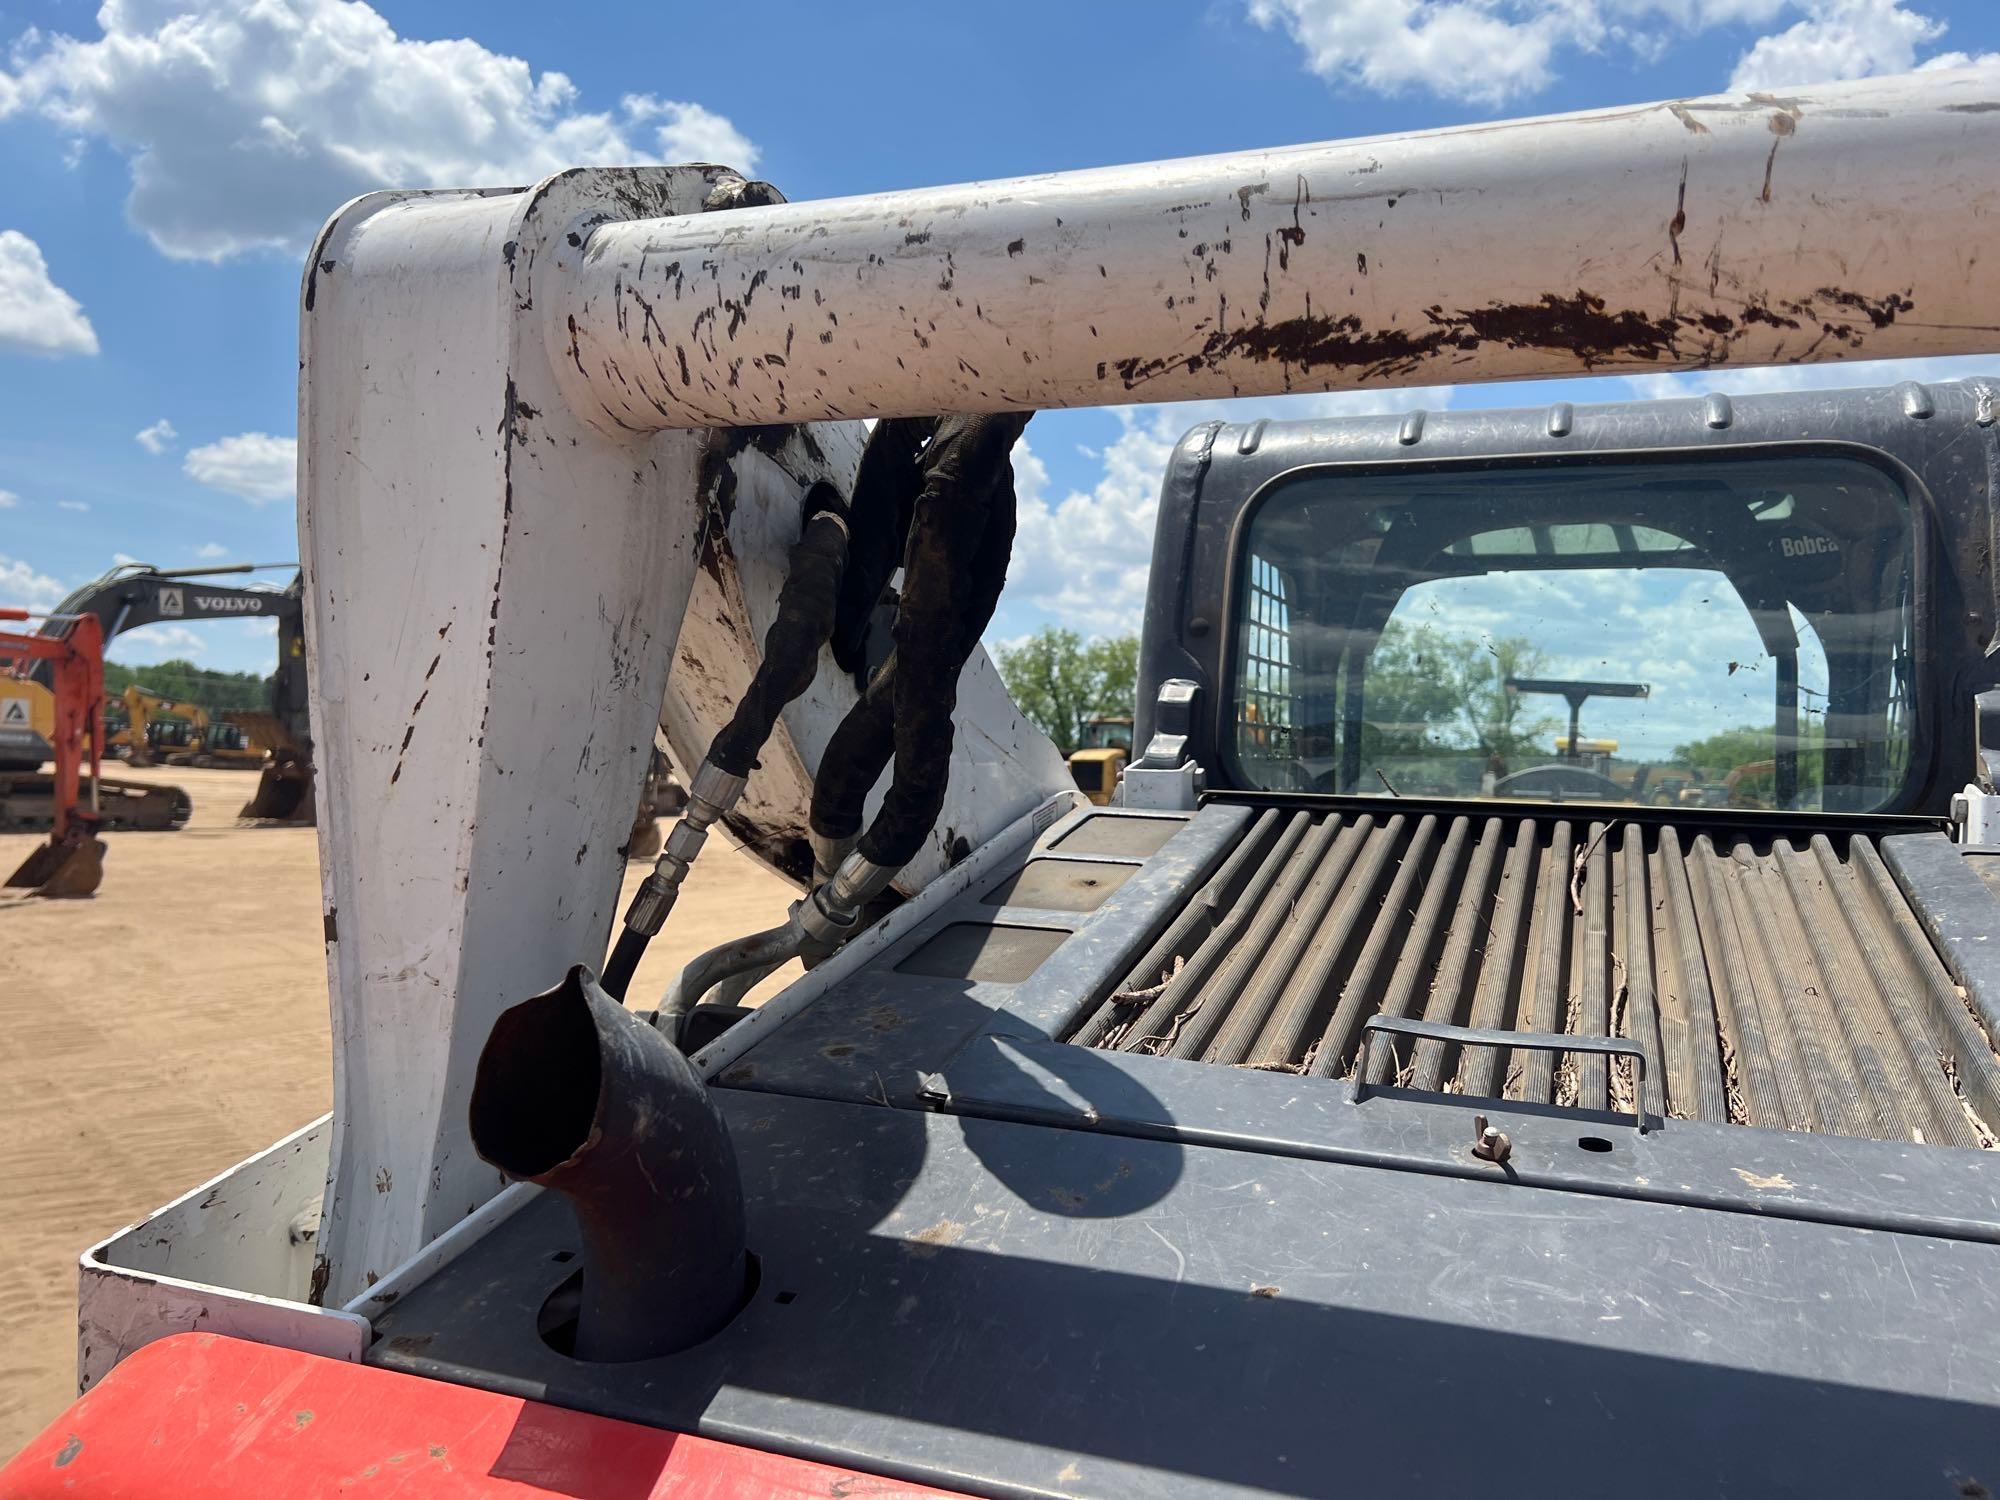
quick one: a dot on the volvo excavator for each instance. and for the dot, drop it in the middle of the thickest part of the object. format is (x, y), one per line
(136, 594)
(1325, 1113)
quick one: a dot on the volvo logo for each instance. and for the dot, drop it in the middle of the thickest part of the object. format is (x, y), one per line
(229, 604)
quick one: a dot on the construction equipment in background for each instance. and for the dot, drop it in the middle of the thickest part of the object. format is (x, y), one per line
(226, 742)
(1100, 756)
(71, 863)
(154, 725)
(1312, 1119)
(662, 796)
(136, 594)
(1096, 771)
(28, 794)
(27, 721)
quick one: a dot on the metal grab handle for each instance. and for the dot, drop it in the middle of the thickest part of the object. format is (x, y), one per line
(1523, 1041)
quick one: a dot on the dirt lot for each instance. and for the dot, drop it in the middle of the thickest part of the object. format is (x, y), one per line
(177, 1022)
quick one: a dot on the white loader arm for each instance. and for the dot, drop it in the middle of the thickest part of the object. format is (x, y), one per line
(499, 590)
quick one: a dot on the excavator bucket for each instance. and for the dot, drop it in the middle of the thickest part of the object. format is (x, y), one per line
(645, 840)
(69, 866)
(284, 791)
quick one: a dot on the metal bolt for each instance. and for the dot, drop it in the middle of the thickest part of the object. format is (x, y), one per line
(1490, 1144)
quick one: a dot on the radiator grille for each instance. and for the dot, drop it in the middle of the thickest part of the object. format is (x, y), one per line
(1778, 983)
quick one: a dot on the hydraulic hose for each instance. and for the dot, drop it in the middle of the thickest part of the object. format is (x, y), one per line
(960, 540)
(954, 565)
(807, 606)
(885, 497)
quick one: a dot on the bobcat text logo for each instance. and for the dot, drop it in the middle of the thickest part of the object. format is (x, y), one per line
(1807, 546)
(230, 604)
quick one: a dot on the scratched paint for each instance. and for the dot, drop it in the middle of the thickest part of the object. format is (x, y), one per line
(1748, 229)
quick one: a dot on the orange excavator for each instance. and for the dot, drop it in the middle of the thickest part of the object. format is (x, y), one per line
(71, 863)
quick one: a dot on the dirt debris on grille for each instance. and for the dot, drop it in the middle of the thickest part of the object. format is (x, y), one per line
(1773, 981)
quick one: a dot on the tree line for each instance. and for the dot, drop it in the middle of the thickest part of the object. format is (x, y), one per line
(1429, 692)
(183, 681)
(1061, 682)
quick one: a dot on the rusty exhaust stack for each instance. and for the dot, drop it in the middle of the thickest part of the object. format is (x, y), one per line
(576, 1094)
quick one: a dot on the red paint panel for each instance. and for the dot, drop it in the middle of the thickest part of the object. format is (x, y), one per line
(199, 1414)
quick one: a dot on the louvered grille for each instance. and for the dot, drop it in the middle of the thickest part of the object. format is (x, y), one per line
(1780, 983)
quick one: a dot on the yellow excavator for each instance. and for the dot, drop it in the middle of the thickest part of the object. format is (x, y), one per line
(225, 742)
(150, 728)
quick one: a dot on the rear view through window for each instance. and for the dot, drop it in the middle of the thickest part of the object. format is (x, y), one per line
(1730, 632)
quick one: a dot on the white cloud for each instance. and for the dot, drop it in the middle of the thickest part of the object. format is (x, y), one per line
(1462, 49)
(687, 132)
(1751, 380)
(76, 505)
(8, 499)
(1959, 60)
(24, 588)
(157, 438)
(1837, 39)
(211, 550)
(245, 125)
(156, 643)
(1083, 559)
(36, 315)
(255, 465)
(1490, 52)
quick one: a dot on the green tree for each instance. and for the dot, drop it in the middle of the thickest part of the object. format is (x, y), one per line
(1428, 692)
(1060, 681)
(1749, 752)
(218, 692)
(1721, 753)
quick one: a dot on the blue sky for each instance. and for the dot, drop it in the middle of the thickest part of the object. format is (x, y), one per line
(161, 163)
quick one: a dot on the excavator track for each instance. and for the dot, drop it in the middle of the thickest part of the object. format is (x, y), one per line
(27, 805)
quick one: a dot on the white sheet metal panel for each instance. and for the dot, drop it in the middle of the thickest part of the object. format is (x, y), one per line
(1844, 221)
(233, 1256)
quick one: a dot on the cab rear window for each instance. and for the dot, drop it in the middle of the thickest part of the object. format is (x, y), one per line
(1717, 632)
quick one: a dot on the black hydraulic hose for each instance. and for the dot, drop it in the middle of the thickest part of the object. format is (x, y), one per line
(956, 564)
(885, 497)
(804, 620)
(624, 960)
(961, 531)
(807, 604)
(855, 757)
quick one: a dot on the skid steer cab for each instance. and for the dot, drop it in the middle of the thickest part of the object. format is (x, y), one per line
(1767, 604)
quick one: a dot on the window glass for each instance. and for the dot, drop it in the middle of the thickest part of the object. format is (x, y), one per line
(1731, 632)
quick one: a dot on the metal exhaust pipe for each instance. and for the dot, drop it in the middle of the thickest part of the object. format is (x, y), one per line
(576, 1094)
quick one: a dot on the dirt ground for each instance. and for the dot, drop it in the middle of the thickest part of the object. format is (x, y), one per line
(175, 1023)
